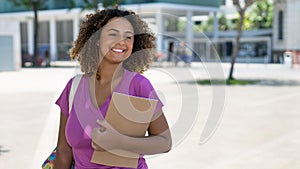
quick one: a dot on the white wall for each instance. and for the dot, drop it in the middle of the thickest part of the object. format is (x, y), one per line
(291, 35)
(293, 24)
(279, 44)
(10, 32)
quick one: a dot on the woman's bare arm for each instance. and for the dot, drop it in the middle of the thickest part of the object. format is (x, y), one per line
(64, 155)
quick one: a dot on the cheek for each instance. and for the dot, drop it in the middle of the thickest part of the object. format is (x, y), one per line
(103, 48)
(102, 51)
(130, 45)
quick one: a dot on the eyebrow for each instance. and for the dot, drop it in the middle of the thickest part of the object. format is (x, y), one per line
(116, 30)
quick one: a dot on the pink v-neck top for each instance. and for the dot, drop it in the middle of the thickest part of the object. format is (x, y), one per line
(83, 115)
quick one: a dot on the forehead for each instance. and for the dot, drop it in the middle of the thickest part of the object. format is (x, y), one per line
(119, 23)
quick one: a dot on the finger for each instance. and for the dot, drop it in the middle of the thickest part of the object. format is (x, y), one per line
(98, 130)
(103, 123)
(94, 145)
(102, 129)
(97, 147)
(100, 122)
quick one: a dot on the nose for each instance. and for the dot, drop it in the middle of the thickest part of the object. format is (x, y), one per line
(121, 41)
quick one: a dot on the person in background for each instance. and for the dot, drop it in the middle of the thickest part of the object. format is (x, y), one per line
(47, 59)
(183, 54)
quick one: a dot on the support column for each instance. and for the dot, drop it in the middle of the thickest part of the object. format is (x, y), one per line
(207, 50)
(216, 28)
(53, 41)
(160, 31)
(189, 29)
(269, 50)
(30, 37)
(75, 26)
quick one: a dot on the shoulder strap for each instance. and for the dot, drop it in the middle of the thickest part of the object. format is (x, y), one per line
(73, 90)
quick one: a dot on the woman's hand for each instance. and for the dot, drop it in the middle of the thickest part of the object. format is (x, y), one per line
(96, 147)
(105, 137)
(158, 141)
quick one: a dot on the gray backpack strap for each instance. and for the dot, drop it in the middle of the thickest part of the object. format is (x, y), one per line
(73, 90)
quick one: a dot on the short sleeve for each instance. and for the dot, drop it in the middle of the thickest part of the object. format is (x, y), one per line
(63, 100)
(144, 88)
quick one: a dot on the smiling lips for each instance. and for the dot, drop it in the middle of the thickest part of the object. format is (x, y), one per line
(118, 50)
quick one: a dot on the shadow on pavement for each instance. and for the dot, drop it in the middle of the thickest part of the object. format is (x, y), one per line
(257, 82)
(3, 150)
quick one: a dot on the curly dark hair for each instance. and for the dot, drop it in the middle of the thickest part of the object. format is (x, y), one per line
(90, 29)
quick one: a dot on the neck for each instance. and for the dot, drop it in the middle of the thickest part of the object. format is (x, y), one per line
(107, 73)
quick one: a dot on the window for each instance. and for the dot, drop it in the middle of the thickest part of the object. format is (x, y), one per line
(24, 37)
(280, 25)
(43, 33)
(64, 36)
(223, 2)
(64, 31)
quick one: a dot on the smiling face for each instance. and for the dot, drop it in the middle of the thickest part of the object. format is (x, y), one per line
(116, 40)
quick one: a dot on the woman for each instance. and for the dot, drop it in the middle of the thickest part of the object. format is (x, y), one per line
(113, 47)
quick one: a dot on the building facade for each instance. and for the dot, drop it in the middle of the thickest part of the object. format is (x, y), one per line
(59, 25)
(10, 47)
(286, 29)
(255, 45)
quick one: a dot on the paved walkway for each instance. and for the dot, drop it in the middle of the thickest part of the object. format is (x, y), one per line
(257, 125)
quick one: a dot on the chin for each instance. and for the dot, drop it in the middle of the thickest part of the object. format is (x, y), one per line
(117, 60)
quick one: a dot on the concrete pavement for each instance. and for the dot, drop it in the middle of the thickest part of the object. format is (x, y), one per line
(259, 126)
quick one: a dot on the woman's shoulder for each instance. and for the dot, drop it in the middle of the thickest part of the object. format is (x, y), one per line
(137, 78)
(78, 77)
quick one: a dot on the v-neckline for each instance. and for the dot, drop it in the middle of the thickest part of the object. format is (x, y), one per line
(98, 107)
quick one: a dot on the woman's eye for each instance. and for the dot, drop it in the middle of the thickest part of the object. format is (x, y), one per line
(129, 37)
(112, 34)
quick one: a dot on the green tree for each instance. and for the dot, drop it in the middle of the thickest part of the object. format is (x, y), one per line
(207, 26)
(241, 6)
(223, 23)
(261, 16)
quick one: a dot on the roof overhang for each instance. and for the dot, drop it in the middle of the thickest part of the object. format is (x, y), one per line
(178, 10)
(59, 14)
(143, 9)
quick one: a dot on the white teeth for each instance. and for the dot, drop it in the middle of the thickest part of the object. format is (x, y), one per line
(118, 50)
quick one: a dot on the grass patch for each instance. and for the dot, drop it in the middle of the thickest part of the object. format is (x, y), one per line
(227, 82)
